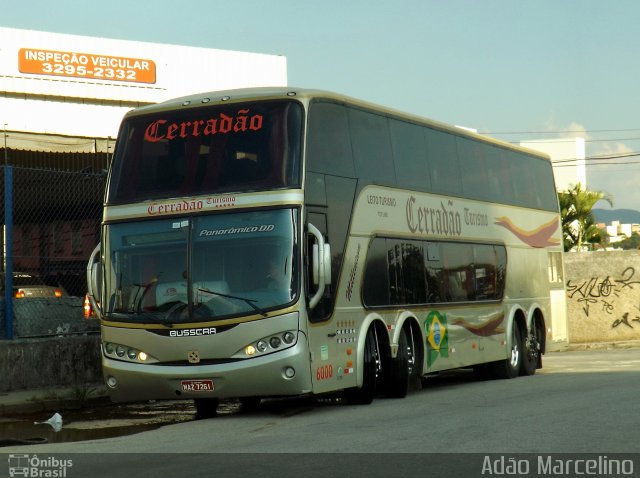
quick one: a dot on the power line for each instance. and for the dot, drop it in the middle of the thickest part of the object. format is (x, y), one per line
(598, 164)
(600, 157)
(561, 131)
(572, 140)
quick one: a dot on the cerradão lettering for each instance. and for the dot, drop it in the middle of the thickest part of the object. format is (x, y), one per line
(180, 206)
(442, 220)
(162, 129)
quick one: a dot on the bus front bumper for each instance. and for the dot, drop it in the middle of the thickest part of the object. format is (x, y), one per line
(284, 373)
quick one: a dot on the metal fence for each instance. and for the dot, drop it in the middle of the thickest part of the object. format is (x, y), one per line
(51, 223)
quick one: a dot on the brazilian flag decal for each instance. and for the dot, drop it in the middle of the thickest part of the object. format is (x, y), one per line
(437, 336)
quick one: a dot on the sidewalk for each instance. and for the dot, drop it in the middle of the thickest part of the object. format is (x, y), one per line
(51, 399)
(73, 398)
(572, 347)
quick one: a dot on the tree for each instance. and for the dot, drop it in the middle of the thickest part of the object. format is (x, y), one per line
(632, 242)
(578, 221)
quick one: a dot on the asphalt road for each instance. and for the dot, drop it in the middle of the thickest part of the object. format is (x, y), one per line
(581, 402)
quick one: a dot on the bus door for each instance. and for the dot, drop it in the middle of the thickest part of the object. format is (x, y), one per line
(319, 302)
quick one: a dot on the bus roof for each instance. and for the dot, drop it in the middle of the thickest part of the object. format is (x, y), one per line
(303, 94)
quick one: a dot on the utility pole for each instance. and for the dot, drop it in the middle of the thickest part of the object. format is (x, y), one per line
(5, 144)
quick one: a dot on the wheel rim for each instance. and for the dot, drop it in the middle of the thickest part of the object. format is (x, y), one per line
(515, 349)
(533, 344)
(411, 356)
(515, 356)
(377, 356)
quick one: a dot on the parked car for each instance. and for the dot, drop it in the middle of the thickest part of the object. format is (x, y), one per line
(27, 285)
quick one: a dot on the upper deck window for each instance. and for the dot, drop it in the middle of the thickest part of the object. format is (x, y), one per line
(231, 148)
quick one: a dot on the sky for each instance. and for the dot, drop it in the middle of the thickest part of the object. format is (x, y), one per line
(512, 69)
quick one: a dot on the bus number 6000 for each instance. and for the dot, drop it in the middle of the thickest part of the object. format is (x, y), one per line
(324, 372)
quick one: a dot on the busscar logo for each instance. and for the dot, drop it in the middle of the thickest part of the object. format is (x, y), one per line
(32, 465)
(193, 332)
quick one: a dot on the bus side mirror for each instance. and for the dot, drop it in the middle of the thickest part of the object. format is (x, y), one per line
(320, 263)
(94, 280)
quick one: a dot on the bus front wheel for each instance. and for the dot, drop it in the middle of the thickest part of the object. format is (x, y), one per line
(206, 407)
(250, 404)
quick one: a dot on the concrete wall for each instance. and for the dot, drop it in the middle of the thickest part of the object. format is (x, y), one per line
(54, 346)
(39, 317)
(603, 296)
(54, 362)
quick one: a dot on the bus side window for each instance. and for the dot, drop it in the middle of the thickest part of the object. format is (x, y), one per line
(484, 269)
(434, 273)
(444, 166)
(375, 286)
(329, 144)
(406, 272)
(458, 260)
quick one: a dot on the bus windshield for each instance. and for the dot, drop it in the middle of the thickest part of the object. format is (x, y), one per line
(230, 148)
(202, 268)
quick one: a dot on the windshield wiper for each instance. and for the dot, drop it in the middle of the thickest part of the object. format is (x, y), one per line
(145, 288)
(249, 302)
(130, 316)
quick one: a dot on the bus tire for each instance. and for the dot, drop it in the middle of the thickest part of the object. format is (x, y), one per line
(399, 369)
(416, 361)
(250, 404)
(206, 407)
(510, 367)
(371, 367)
(532, 351)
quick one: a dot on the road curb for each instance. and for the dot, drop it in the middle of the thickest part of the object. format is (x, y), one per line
(572, 347)
(40, 400)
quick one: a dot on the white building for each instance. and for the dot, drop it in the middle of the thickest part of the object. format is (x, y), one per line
(56, 84)
(617, 232)
(568, 158)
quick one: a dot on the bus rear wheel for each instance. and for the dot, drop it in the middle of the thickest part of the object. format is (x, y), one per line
(532, 350)
(371, 370)
(401, 368)
(510, 367)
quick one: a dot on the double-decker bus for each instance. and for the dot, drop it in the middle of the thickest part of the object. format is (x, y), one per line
(278, 242)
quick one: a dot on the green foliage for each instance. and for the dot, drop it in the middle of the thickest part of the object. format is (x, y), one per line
(578, 221)
(632, 242)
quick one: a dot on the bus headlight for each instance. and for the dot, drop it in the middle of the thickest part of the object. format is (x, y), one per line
(275, 342)
(279, 341)
(122, 352)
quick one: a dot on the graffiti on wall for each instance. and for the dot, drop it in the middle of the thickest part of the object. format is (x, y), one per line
(601, 294)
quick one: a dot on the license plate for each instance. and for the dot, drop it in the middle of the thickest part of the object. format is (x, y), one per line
(197, 385)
